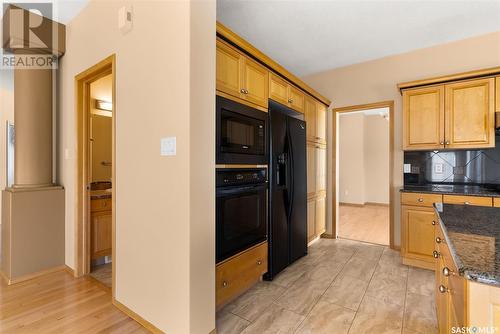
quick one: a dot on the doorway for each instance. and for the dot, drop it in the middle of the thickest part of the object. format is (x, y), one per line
(362, 173)
(96, 170)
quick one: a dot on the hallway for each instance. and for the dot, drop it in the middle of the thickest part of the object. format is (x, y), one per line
(368, 223)
(340, 287)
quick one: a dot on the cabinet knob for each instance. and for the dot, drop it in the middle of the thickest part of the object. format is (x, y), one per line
(467, 203)
(435, 254)
(438, 240)
(441, 142)
(420, 199)
(443, 289)
(224, 284)
(246, 91)
(242, 91)
(259, 262)
(446, 271)
(290, 101)
(447, 142)
(433, 222)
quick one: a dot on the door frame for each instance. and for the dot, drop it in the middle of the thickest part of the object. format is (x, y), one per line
(336, 111)
(82, 231)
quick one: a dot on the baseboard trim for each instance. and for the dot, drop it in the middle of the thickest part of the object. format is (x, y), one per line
(378, 204)
(69, 270)
(214, 331)
(4, 277)
(328, 236)
(143, 322)
(28, 277)
(313, 240)
(357, 205)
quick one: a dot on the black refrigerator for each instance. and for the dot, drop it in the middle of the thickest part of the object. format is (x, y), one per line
(287, 232)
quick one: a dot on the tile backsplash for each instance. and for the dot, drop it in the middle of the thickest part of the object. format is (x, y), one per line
(464, 166)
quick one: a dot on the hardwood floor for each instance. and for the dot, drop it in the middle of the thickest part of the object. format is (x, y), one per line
(59, 303)
(369, 223)
(340, 287)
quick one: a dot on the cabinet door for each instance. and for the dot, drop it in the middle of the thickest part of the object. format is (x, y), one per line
(278, 89)
(320, 168)
(496, 202)
(255, 81)
(101, 231)
(310, 118)
(497, 94)
(311, 169)
(320, 215)
(296, 99)
(311, 219)
(321, 123)
(441, 299)
(418, 232)
(423, 118)
(228, 69)
(470, 114)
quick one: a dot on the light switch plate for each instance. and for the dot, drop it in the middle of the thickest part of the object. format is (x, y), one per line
(407, 168)
(168, 146)
(438, 168)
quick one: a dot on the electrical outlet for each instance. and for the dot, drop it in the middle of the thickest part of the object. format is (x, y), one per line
(168, 146)
(407, 168)
(415, 170)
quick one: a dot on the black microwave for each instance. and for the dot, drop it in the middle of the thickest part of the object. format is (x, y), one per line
(241, 133)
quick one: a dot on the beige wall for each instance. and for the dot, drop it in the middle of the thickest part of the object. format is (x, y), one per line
(165, 244)
(376, 151)
(363, 158)
(376, 80)
(6, 114)
(351, 158)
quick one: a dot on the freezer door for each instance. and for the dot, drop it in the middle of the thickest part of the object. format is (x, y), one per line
(298, 188)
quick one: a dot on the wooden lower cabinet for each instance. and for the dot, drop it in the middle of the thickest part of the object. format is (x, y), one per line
(316, 216)
(417, 227)
(101, 232)
(238, 273)
(496, 202)
(467, 200)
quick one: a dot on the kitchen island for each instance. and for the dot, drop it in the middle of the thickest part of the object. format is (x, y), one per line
(467, 267)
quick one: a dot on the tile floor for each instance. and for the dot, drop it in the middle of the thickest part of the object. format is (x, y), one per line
(341, 286)
(103, 273)
(369, 223)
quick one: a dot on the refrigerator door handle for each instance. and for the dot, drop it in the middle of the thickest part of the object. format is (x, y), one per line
(290, 175)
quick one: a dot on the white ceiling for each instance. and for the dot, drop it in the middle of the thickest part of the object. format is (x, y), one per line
(308, 36)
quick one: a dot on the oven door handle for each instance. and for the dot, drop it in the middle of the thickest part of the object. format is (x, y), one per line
(242, 190)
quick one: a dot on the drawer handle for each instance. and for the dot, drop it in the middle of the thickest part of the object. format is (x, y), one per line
(420, 199)
(433, 222)
(467, 203)
(259, 262)
(435, 254)
(446, 271)
(443, 289)
(290, 101)
(224, 284)
(439, 240)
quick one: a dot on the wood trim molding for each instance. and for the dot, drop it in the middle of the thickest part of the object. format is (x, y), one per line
(382, 104)
(143, 322)
(240, 166)
(452, 77)
(82, 230)
(250, 104)
(230, 36)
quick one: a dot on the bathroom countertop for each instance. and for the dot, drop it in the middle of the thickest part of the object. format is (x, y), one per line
(473, 236)
(453, 189)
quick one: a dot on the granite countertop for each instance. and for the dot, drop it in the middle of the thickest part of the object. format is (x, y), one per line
(454, 189)
(473, 236)
(100, 194)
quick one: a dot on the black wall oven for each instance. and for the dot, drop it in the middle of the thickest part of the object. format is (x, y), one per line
(241, 133)
(241, 211)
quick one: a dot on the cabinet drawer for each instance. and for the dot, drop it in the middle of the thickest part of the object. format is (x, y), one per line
(100, 204)
(420, 199)
(496, 202)
(240, 272)
(467, 200)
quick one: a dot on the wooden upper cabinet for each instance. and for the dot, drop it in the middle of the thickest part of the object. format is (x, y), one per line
(283, 92)
(470, 114)
(254, 82)
(423, 118)
(228, 69)
(296, 99)
(497, 94)
(278, 89)
(310, 116)
(240, 76)
(320, 122)
(320, 168)
(312, 177)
